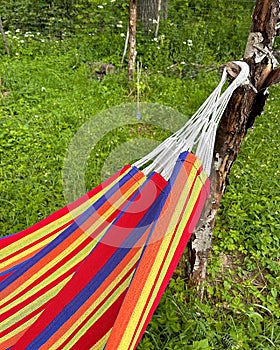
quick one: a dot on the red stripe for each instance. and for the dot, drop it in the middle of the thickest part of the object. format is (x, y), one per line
(18, 307)
(5, 276)
(49, 272)
(93, 263)
(91, 266)
(96, 332)
(112, 315)
(36, 242)
(195, 215)
(23, 320)
(61, 212)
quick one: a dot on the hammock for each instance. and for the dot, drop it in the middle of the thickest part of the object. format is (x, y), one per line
(91, 275)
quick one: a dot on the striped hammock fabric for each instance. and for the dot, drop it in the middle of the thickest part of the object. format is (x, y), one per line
(91, 275)
(16, 249)
(180, 210)
(26, 290)
(52, 306)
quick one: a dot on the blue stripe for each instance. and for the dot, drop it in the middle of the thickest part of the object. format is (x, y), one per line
(68, 231)
(177, 168)
(167, 190)
(103, 273)
(13, 268)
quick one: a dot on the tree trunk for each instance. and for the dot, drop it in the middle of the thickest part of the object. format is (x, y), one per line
(150, 11)
(245, 105)
(132, 38)
(164, 9)
(6, 44)
(147, 12)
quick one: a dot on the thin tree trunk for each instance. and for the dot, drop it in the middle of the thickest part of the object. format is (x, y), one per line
(6, 44)
(245, 105)
(132, 38)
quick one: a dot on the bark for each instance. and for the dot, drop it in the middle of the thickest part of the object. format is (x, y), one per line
(245, 105)
(164, 9)
(132, 38)
(6, 44)
(150, 12)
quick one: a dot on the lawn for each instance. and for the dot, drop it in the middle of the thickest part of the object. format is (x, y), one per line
(49, 90)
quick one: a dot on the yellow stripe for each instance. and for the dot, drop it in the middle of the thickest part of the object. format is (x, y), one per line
(77, 242)
(160, 257)
(9, 322)
(110, 211)
(66, 267)
(99, 345)
(31, 238)
(24, 326)
(43, 269)
(130, 328)
(70, 248)
(97, 302)
(104, 307)
(31, 250)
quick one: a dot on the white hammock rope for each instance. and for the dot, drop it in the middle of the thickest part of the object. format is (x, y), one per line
(198, 134)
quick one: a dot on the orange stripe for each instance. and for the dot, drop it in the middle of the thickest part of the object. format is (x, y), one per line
(37, 267)
(62, 330)
(153, 248)
(26, 257)
(72, 238)
(11, 341)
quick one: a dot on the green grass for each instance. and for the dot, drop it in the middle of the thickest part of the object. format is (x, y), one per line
(49, 91)
(47, 103)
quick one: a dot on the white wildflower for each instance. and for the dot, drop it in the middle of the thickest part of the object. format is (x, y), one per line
(190, 43)
(100, 6)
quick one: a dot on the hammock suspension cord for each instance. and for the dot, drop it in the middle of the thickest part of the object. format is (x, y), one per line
(198, 134)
